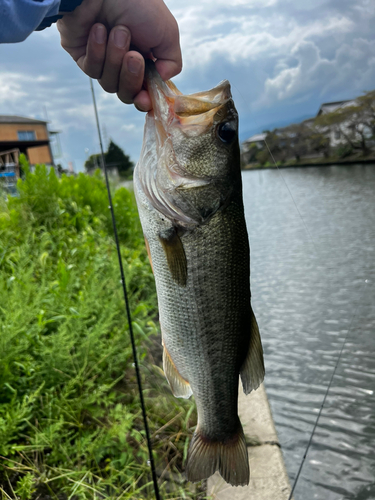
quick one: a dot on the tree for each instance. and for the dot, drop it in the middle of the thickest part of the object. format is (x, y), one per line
(319, 143)
(249, 153)
(274, 142)
(305, 139)
(355, 123)
(114, 157)
(93, 162)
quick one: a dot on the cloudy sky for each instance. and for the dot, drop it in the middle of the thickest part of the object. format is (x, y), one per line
(282, 57)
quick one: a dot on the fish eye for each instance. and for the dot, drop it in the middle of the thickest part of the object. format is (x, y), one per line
(226, 132)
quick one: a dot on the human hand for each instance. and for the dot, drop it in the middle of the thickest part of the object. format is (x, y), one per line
(101, 36)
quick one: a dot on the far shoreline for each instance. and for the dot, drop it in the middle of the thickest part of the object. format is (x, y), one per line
(313, 163)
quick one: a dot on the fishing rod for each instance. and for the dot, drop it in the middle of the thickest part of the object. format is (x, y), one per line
(127, 307)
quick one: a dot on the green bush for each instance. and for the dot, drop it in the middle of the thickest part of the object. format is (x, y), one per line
(344, 150)
(70, 420)
(45, 201)
(262, 156)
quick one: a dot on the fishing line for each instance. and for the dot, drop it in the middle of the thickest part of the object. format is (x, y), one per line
(322, 405)
(339, 356)
(290, 193)
(346, 336)
(286, 185)
(342, 347)
(124, 288)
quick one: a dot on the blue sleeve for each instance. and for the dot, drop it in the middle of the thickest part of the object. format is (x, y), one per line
(19, 18)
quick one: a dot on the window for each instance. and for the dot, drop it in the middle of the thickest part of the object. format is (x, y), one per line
(26, 135)
(337, 134)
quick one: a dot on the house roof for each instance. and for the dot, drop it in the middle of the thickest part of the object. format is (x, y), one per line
(19, 119)
(328, 107)
(256, 138)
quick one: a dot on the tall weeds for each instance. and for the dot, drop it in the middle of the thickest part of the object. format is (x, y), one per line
(70, 424)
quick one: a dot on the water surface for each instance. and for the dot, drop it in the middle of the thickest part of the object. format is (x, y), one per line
(313, 284)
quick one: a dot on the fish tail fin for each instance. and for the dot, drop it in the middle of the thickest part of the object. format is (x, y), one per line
(229, 457)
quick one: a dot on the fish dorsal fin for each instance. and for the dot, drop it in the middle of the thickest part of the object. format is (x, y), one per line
(175, 254)
(180, 387)
(252, 370)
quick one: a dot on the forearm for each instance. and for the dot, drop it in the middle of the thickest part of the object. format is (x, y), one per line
(19, 18)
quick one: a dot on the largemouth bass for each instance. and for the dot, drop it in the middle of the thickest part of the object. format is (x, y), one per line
(189, 195)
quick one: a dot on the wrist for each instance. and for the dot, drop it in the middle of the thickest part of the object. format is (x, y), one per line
(66, 7)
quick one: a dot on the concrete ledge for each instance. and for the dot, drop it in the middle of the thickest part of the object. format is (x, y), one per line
(268, 477)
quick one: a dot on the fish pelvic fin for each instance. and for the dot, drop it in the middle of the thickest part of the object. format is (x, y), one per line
(252, 370)
(175, 255)
(229, 457)
(179, 386)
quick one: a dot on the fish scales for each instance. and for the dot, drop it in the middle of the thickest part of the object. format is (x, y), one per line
(200, 322)
(195, 230)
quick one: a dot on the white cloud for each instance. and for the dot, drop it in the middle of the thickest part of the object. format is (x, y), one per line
(238, 34)
(282, 57)
(11, 88)
(353, 66)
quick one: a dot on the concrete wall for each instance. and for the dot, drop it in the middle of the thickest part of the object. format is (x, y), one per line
(268, 477)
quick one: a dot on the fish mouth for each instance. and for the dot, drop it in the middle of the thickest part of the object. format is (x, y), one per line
(192, 113)
(164, 175)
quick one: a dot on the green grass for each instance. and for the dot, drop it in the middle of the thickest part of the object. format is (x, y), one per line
(70, 419)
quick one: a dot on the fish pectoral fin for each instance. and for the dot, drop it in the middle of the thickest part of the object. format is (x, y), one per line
(148, 252)
(180, 387)
(175, 254)
(252, 370)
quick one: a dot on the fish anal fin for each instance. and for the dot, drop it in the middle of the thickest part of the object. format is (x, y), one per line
(175, 254)
(252, 369)
(148, 252)
(179, 386)
(229, 457)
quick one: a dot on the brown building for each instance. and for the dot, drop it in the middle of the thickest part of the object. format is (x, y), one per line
(28, 135)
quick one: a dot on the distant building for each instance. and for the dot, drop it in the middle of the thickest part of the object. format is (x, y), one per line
(247, 147)
(257, 139)
(329, 107)
(27, 135)
(333, 133)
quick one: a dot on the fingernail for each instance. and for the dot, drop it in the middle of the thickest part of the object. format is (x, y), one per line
(134, 65)
(100, 34)
(120, 37)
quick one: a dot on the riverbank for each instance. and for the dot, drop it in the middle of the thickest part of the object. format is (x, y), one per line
(313, 162)
(268, 476)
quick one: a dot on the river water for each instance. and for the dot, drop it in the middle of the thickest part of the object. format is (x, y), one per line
(312, 237)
